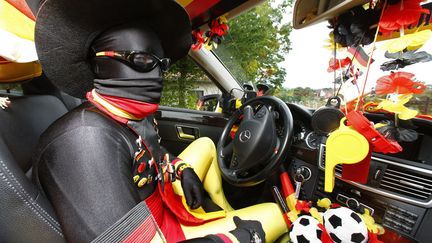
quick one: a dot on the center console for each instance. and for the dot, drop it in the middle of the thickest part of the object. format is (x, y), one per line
(398, 192)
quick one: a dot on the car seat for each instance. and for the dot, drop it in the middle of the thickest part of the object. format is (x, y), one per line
(25, 215)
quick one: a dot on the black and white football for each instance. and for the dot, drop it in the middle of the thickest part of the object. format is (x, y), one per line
(345, 226)
(305, 230)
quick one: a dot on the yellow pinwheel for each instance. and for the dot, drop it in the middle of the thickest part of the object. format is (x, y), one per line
(411, 41)
(396, 104)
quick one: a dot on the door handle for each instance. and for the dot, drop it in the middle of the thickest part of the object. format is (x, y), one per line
(186, 132)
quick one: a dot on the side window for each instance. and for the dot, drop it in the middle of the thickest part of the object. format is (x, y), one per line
(187, 86)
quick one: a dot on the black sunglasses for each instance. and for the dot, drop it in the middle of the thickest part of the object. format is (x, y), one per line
(139, 60)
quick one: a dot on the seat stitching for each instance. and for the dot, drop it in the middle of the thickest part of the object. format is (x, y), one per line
(27, 195)
(29, 205)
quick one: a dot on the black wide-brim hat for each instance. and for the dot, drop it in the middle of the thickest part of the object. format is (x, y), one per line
(65, 29)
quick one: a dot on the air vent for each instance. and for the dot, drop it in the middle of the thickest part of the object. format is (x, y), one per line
(321, 161)
(407, 183)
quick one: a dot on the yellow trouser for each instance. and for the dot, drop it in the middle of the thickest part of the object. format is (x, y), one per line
(201, 155)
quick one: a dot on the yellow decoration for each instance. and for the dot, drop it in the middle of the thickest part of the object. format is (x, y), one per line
(238, 103)
(136, 178)
(395, 104)
(324, 203)
(223, 19)
(370, 223)
(344, 146)
(317, 215)
(293, 215)
(291, 201)
(411, 41)
(142, 182)
(379, 125)
(330, 44)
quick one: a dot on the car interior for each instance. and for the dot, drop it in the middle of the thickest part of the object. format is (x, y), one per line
(397, 193)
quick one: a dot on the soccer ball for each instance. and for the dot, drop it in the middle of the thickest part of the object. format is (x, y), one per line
(345, 226)
(305, 230)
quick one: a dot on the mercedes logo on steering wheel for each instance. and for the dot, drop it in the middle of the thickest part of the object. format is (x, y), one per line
(245, 136)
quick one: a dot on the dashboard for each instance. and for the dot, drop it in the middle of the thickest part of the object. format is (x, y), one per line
(398, 191)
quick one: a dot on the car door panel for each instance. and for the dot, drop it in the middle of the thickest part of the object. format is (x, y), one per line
(180, 127)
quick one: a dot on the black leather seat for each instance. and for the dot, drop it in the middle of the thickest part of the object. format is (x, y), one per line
(25, 214)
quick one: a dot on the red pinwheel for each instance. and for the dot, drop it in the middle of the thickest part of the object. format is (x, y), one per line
(400, 15)
(399, 82)
(336, 64)
(198, 40)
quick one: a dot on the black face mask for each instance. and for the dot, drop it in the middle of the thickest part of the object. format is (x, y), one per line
(114, 77)
(145, 90)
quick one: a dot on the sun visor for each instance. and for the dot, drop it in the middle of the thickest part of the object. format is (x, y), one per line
(309, 12)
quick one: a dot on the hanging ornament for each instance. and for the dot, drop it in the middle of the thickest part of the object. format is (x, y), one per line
(379, 143)
(218, 28)
(197, 39)
(400, 83)
(403, 59)
(336, 64)
(330, 43)
(396, 104)
(355, 27)
(389, 130)
(410, 42)
(400, 15)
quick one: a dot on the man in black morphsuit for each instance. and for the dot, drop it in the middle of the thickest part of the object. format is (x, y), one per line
(101, 159)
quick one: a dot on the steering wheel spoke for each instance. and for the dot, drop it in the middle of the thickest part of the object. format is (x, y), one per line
(248, 113)
(228, 149)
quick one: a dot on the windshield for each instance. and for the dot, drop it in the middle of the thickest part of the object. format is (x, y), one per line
(262, 47)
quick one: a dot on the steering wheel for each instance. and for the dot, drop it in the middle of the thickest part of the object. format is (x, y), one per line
(260, 144)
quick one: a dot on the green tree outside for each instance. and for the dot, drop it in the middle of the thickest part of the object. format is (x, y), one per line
(256, 43)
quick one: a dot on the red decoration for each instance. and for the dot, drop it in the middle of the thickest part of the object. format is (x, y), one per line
(325, 237)
(198, 39)
(218, 27)
(302, 206)
(400, 15)
(212, 37)
(141, 167)
(379, 143)
(399, 82)
(373, 238)
(335, 205)
(336, 64)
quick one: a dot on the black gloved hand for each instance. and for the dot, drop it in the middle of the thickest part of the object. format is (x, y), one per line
(192, 187)
(248, 231)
